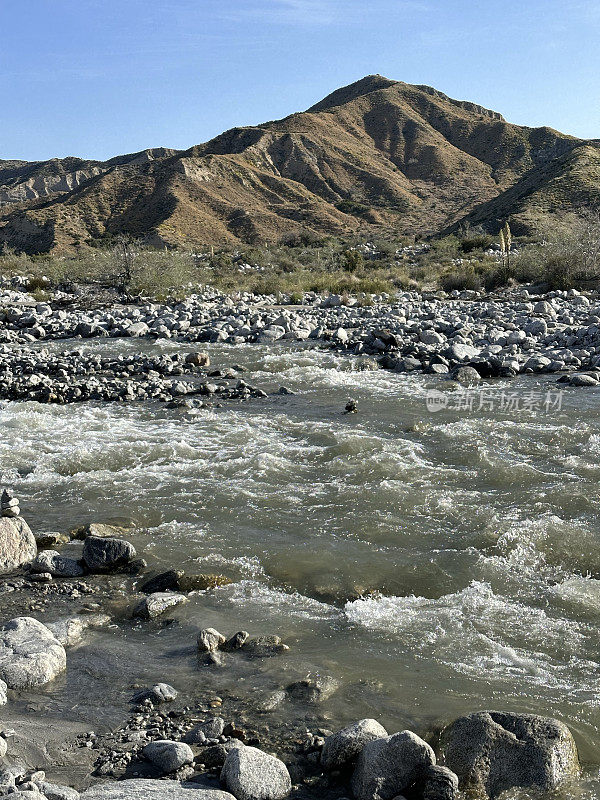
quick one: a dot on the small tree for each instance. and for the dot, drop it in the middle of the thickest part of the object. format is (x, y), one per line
(124, 255)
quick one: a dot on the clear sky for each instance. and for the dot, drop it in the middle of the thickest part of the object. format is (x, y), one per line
(97, 78)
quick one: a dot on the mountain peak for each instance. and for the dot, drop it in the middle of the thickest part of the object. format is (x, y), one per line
(366, 85)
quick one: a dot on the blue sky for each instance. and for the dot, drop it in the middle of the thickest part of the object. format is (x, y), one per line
(97, 78)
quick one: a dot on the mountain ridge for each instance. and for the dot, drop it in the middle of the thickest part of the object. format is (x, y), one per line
(376, 156)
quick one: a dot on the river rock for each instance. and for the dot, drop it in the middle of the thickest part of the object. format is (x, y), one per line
(251, 774)
(209, 729)
(439, 783)
(103, 554)
(58, 566)
(386, 767)
(143, 789)
(68, 631)
(101, 530)
(53, 791)
(342, 748)
(3, 693)
(3, 747)
(492, 752)
(264, 647)
(17, 544)
(209, 640)
(465, 375)
(314, 689)
(156, 604)
(30, 654)
(168, 756)
(157, 694)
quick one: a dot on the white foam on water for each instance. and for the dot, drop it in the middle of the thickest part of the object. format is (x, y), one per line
(478, 633)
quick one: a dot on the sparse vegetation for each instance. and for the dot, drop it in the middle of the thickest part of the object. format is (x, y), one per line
(562, 257)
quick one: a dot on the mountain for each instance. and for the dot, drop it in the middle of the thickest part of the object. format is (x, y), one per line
(376, 156)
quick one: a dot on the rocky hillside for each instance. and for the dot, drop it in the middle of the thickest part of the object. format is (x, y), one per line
(378, 155)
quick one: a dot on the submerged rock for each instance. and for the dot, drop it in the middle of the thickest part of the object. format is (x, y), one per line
(342, 748)
(30, 654)
(264, 647)
(495, 751)
(387, 767)
(251, 774)
(314, 689)
(17, 543)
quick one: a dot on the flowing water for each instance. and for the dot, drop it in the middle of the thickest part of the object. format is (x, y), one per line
(435, 563)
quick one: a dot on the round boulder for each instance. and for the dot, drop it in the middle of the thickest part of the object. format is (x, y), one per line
(250, 774)
(168, 756)
(17, 543)
(386, 767)
(492, 752)
(30, 654)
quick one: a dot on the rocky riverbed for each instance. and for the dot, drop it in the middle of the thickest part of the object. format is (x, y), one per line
(277, 598)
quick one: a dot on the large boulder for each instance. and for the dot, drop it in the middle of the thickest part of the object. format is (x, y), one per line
(30, 654)
(250, 774)
(342, 748)
(17, 543)
(168, 756)
(386, 767)
(495, 751)
(143, 789)
(105, 554)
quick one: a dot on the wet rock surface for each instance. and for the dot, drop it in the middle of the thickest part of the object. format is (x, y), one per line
(492, 752)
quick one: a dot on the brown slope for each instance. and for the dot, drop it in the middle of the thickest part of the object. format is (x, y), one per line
(375, 153)
(564, 185)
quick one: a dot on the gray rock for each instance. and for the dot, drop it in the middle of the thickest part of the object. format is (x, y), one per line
(314, 689)
(210, 729)
(440, 783)
(151, 790)
(465, 375)
(58, 566)
(156, 604)
(17, 544)
(209, 640)
(264, 647)
(386, 767)
(30, 655)
(3, 747)
(3, 693)
(157, 694)
(104, 554)
(342, 748)
(251, 774)
(236, 641)
(168, 756)
(54, 792)
(68, 631)
(494, 751)
(583, 380)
